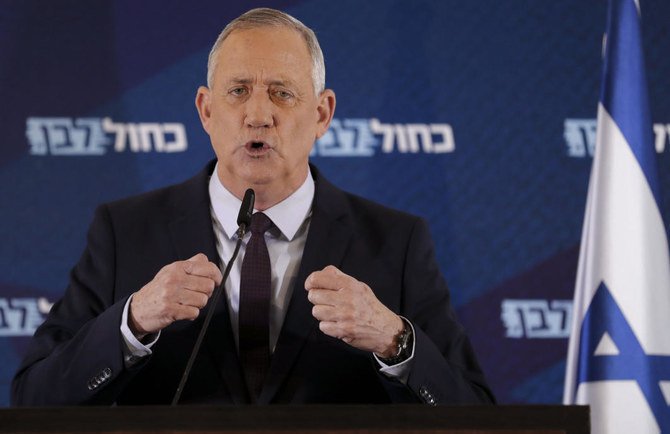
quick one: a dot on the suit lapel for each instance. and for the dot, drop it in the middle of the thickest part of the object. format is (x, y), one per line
(326, 244)
(192, 233)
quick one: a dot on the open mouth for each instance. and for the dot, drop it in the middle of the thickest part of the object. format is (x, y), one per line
(257, 148)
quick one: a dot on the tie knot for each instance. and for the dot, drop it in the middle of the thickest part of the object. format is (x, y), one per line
(260, 223)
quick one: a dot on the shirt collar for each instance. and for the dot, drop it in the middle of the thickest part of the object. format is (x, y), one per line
(288, 215)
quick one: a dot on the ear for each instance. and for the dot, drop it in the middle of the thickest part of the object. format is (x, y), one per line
(202, 103)
(325, 110)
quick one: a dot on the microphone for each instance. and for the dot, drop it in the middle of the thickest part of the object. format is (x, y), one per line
(243, 222)
(246, 210)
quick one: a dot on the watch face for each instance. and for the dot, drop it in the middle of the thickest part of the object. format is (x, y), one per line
(405, 344)
(403, 341)
(406, 338)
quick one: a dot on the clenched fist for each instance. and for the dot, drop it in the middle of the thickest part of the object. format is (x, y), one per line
(177, 292)
(347, 309)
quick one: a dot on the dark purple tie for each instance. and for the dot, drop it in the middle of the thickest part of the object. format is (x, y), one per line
(254, 318)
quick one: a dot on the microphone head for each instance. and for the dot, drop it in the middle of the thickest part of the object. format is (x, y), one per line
(247, 208)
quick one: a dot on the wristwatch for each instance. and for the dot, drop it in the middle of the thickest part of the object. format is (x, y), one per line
(404, 340)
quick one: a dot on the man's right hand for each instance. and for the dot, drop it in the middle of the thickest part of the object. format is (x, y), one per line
(177, 292)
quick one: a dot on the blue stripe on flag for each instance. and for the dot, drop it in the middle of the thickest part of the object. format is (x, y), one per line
(624, 94)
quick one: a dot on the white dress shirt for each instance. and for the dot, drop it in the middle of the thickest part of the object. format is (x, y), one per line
(285, 242)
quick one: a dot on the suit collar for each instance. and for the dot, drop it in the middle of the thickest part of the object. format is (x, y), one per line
(191, 223)
(288, 215)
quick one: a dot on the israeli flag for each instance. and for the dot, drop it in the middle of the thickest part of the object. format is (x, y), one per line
(619, 351)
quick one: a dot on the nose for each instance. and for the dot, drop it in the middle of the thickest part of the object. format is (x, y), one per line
(259, 110)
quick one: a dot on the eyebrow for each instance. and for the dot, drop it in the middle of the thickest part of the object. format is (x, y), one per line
(275, 82)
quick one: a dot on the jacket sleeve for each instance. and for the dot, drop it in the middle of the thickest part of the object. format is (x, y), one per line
(76, 355)
(444, 368)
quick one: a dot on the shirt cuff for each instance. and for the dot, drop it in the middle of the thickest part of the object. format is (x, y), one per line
(133, 349)
(399, 371)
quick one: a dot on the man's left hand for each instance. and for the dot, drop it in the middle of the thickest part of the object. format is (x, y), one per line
(347, 309)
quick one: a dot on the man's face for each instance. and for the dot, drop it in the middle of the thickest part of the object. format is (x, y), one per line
(262, 114)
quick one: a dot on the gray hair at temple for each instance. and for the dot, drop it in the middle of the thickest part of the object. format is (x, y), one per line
(266, 17)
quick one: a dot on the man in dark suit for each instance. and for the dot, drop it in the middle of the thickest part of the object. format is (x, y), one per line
(336, 299)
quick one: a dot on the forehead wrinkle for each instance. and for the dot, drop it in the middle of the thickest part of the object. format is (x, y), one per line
(245, 79)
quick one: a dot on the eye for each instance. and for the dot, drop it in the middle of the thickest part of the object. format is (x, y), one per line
(238, 91)
(283, 94)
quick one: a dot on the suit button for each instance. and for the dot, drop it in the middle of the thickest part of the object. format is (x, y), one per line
(427, 396)
(102, 376)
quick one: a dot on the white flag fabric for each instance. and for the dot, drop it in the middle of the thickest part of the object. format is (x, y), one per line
(619, 352)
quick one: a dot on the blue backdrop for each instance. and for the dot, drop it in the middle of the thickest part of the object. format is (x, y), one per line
(479, 116)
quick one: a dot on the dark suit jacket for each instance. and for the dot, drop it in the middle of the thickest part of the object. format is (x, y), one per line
(75, 357)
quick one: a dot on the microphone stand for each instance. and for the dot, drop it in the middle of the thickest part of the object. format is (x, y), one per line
(243, 220)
